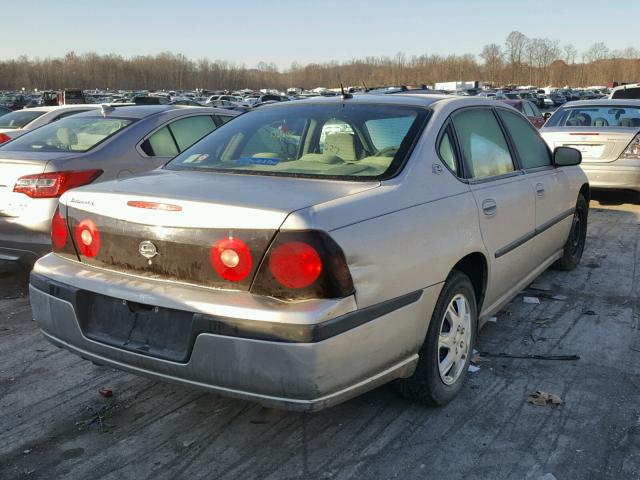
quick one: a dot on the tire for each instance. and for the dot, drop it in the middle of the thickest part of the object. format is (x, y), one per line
(427, 385)
(574, 246)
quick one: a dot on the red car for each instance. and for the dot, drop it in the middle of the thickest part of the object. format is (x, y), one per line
(529, 110)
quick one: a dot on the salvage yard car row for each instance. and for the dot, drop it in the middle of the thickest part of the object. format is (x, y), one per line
(297, 256)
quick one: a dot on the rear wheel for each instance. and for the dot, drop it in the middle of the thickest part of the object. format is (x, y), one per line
(574, 246)
(446, 352)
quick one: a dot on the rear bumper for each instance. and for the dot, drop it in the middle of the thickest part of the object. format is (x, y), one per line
(27, 236)
(361, 350)
(619, 177)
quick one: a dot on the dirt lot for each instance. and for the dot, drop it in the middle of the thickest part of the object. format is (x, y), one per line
(54, 424)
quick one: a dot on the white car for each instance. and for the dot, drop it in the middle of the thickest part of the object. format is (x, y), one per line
(16, 123)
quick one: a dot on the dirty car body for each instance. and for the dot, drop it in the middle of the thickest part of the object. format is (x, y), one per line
(302, 254)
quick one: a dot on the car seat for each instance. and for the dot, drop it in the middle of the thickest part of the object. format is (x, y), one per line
(342, 145)
(584, 119)
(600, 122)
(624, 122)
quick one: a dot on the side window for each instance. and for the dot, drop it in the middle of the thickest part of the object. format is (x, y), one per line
(160, 144)
(528, 111)
(531, 148)
(447, 152)
(224, 118)
(188, 131)
(484, 148)
(536, 112)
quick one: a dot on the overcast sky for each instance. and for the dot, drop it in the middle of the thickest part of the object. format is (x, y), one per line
(283, 31)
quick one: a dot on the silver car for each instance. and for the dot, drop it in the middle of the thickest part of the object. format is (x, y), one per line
(98, 145)
(309, 251)
(607, 132)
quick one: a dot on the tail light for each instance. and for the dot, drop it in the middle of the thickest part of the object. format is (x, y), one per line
(633, 149)
(231, 258)
(87, 238)
(4, 138)
(59, 231)
(303, 265)
(54, 184)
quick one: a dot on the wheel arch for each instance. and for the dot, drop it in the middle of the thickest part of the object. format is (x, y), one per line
(585, 191)
(474, 266)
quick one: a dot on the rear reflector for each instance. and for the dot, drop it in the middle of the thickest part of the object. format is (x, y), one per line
(4, 138)
(231, 259)
(155, 206)
(52, 185)
(87, 238)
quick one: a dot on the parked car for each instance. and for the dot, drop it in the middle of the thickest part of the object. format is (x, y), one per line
(631, 91)
(4, 110)
(607, 132)
(309, 251)
(529, 110)
(98, 145)
(13, 101)
(19, 122)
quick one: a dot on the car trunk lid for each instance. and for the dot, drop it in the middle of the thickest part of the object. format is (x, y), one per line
(163, 225)
(597, 145)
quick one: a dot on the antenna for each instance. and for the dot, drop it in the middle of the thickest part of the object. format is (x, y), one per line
(344, 94)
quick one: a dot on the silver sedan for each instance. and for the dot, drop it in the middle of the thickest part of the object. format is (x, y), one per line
(607, 132)
(102, 144)
(310, 251)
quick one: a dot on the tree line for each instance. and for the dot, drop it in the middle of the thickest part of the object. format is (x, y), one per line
(520, 60)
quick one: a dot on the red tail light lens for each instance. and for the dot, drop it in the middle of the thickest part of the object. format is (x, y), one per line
(59, 233)
(295, 264)
(4, 138)
(52, 185)
(303, 265)
(231, 259)
(87, 238)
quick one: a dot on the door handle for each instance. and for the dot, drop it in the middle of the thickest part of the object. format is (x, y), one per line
(540, 189)
(489, 207)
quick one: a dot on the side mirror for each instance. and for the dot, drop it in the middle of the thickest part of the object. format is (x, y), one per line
(546, 115)
(566, 157)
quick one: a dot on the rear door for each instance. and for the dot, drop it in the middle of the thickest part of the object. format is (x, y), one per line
(554, 205)
(503, 195)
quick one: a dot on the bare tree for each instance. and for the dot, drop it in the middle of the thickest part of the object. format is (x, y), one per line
(493, 59)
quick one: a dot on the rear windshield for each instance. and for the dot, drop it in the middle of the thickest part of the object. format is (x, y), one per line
(19, 119)
(345, 141)
(71, 134)
(600, 116)
(626, 93)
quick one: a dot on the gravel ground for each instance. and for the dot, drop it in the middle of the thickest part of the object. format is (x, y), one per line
(54, 424)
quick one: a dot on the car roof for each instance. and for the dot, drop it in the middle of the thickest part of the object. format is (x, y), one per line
(409, 99)
(143, 111)
(604, 102)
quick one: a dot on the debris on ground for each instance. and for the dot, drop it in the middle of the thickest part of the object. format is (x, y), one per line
(105, 392)
(540, 287)
(541, 398)
(492, 319)
(589, 312)
(530, 356)
(473, 368)
(531, 300)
